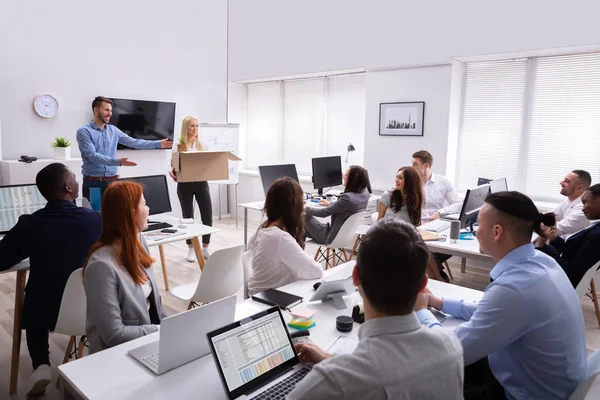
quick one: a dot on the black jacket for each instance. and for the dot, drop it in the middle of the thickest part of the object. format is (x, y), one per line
(57, 240)
(578, 253)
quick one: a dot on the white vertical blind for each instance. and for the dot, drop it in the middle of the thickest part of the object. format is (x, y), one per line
(564, 133)
(263, 120)
(296, 120)
(346, 108)
(491, 123)
(303, 128)
(532, 121)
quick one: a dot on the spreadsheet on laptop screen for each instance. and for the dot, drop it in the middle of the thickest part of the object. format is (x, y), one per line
(253, 349)
(16, 201)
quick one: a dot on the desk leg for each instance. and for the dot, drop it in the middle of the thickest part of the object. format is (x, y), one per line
(65, 390)
(463, 265)
(198, 251)
(16, 339)
(245, 228)
(163, 263)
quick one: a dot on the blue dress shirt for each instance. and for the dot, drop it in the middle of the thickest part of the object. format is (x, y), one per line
(530, 325)
(99, 148)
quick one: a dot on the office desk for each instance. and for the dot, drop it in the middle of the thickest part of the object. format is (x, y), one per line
(113, 374)
(21, 270)
(259, 205)
(192, 231)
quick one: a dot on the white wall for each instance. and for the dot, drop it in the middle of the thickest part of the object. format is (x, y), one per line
(277, 38)
(130, 49)
(384, 155)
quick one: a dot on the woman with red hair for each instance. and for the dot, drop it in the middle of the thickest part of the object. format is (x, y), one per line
(123, 301)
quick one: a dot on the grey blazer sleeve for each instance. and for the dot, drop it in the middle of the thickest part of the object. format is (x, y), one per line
(342, 204)
(100, 283)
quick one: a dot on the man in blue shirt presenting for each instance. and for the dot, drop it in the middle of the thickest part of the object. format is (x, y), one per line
(98, 146)
(529, 322)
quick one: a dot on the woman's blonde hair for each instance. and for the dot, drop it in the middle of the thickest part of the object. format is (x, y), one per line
(187, 121)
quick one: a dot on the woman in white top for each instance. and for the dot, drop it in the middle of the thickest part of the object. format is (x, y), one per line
(278, 245)
(123, 301)
(405, 201)
(186, 191)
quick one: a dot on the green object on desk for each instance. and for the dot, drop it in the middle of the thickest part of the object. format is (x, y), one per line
(302, 324)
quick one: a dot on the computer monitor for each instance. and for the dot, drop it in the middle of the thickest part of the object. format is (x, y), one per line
(16, 200)
(483, 181)
(270, 173)
(327, 172)
(498, 185)
(156, 192)
(473, 202)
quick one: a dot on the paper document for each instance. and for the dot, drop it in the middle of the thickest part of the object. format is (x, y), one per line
(343, 345)
(156, 236)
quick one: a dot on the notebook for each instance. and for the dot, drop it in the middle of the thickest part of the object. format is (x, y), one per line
(274, 297)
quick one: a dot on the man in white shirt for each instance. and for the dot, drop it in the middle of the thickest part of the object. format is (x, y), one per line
(438, 189)
(569, 216)
(396, 358)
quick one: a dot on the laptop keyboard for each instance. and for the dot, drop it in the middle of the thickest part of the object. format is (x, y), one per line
(280, 390)
(160, 225)
(152, 360)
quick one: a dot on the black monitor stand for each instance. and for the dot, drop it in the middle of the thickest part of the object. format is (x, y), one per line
(320, 192)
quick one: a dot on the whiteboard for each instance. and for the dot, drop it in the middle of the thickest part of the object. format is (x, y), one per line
(223, 137)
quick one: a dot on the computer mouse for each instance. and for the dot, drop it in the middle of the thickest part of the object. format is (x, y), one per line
(316, 285)
(182, 226)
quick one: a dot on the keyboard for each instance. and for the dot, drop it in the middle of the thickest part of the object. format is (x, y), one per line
(280, 390)
(152, 360)
(437, 225)
(160, 225)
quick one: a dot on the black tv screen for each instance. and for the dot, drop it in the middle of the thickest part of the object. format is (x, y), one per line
(140, 119)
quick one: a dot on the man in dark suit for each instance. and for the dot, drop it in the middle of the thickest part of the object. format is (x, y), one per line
(57, 240)
(581, 250)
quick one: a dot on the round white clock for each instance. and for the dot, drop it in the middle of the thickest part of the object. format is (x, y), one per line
(45, 105)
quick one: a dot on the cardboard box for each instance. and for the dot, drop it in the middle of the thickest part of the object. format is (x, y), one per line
(194, 166)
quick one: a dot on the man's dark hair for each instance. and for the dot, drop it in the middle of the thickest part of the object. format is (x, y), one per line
(357, 179)
(424, 156)
(99, 100)
(391, 266)
(519, 214)
(51, 180)
(584, 177)
(594, 190)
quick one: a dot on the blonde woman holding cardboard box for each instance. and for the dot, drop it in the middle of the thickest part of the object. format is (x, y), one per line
(186, 191)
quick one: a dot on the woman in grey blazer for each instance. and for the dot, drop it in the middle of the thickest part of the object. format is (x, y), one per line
(354, 199)
(123, 301)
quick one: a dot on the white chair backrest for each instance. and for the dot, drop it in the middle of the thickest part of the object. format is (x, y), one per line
(374, 217)
(247, 266)
(584, 283)
(71, 316)
(345, 236)
(222, 275)
(594, 363)
(588, 389)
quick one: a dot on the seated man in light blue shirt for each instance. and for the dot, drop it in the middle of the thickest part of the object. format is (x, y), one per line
(98, 146)
(529, 322)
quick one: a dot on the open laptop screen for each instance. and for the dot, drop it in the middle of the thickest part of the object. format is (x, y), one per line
(252, 351)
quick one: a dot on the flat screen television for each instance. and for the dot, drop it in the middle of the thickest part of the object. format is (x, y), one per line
(141, 119)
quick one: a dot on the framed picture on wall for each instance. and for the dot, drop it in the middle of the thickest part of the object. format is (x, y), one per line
(401, 119)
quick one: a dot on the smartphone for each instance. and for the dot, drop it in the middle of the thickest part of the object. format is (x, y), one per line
(169, 230)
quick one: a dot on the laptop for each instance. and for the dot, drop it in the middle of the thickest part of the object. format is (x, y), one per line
(255, 357)
(183, 336)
